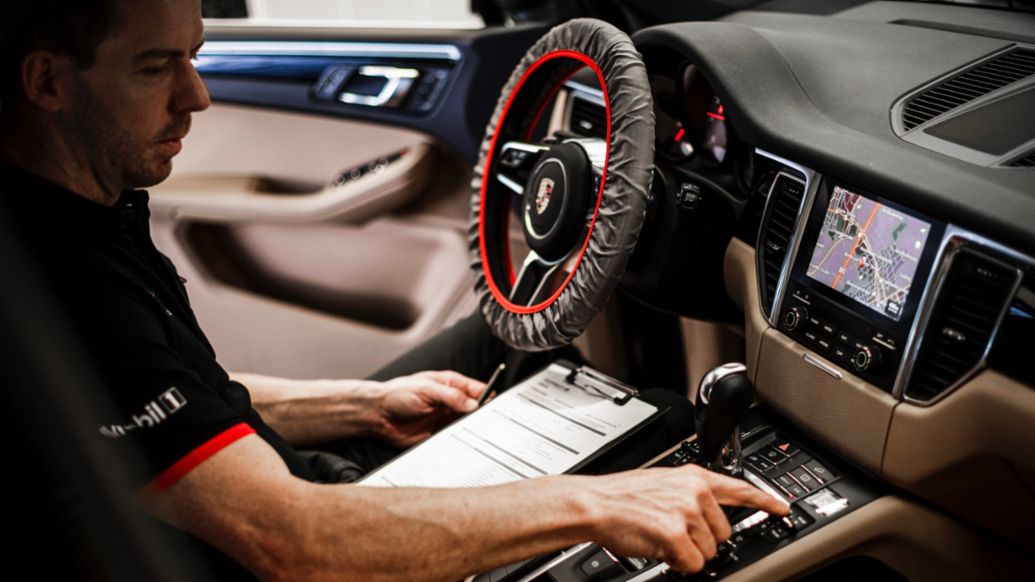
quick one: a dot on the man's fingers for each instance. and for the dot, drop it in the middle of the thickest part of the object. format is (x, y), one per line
(702, 536)
(716, 520)
(452, 397)
(684, 555)
(470, 386)
(729, 491)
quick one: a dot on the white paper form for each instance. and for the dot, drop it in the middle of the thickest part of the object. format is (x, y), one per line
(543, 426)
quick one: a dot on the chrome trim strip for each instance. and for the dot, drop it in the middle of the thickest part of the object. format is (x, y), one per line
(954, 241)
(560, 558)
(331, 49)
(523, 146)
(761, 484)
(811, 359)
(511, 184)
(811, 185)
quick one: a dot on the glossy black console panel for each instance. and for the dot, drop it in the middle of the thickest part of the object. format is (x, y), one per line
(820, 488)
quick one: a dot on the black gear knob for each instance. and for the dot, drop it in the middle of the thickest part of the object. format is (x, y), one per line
(723, 397)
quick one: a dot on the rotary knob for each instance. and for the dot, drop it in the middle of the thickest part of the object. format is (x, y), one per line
(866, 358)
(793, 317)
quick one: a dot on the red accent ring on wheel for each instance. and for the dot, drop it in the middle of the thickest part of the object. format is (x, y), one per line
(500, 298)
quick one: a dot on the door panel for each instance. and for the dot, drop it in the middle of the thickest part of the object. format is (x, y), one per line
(292, 274)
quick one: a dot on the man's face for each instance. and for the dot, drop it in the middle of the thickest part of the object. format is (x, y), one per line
(130, 110)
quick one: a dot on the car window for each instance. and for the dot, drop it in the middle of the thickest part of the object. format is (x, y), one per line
(446, 14)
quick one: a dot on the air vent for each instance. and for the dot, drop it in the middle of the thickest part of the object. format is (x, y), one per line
(775, 238)
(976, 82)
(588, 118)
(1027, 161)
(965, 317)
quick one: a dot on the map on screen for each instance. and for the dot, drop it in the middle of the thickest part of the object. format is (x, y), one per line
(868, 251)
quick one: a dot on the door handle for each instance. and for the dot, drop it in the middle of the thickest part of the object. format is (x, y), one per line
(395, 85)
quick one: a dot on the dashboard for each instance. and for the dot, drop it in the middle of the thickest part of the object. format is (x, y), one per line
(882, 254)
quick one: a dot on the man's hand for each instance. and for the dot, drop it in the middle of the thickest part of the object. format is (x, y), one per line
(671, 515)
(412, 408)
(402, 411)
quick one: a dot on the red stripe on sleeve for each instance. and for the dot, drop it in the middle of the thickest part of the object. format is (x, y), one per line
(196, 457)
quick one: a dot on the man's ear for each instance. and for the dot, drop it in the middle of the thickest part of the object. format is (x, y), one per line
(41, 80)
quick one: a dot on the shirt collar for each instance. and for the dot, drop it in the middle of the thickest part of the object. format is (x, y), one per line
(33, 196)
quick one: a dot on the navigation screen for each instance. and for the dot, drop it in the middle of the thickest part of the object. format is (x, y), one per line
(868, 251)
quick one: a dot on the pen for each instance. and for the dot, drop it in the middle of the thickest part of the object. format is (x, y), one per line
(488, 386)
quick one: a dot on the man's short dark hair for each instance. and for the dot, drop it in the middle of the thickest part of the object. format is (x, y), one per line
(69, 27)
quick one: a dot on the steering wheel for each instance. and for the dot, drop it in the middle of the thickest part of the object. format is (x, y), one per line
(581, 201)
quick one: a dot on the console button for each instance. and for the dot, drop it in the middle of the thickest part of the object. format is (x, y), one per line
(674, 459)
(828, 329)
(795, 491)
(774, 456)
(797, 520)
(756, 462)
(805, 479)
(776, 532)
(842, 354)
(820, 472)
(691, 448)
(600, 566)
(845, 338)
(785, 481)
(724, 554)
(824, 344)
(784, 446)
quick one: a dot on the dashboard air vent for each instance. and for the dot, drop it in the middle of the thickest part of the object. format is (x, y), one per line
(1027, 161)
(775, 237)
(588, 118)
(976, 82)
(964, 319)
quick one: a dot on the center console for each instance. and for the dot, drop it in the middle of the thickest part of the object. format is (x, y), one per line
(776, 459)
(857, 280)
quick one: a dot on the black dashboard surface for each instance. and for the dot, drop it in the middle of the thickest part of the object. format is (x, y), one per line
(819, 91)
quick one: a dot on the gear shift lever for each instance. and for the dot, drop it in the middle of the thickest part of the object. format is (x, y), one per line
(723, 397)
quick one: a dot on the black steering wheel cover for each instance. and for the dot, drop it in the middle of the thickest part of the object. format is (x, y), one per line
(622, 201)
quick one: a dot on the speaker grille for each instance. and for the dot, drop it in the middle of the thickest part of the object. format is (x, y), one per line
(976, 82)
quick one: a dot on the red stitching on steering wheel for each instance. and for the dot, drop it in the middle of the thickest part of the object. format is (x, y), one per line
(502, 299)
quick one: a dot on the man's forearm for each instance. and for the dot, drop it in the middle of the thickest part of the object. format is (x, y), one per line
(423, 534)
(244, 502)
(313, 411)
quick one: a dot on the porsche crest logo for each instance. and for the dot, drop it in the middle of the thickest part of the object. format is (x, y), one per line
(543, 195)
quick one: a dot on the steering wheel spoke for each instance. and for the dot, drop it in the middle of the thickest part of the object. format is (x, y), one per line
(517, 158)
(533, 279)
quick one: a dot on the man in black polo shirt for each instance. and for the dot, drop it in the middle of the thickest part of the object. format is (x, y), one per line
(96, 97)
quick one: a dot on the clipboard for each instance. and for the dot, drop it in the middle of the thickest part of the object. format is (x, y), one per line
(557, 421)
